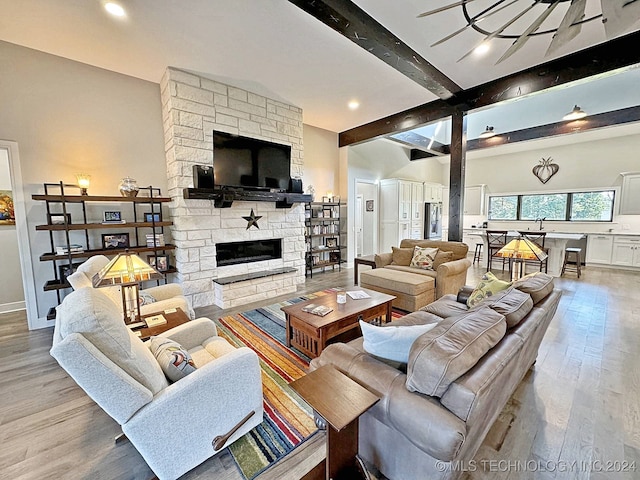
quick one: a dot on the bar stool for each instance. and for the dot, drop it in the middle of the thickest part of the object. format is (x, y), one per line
(577, 253)
(477, 255)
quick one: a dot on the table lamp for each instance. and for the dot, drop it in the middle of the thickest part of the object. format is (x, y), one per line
(520, 249)
(127, 270)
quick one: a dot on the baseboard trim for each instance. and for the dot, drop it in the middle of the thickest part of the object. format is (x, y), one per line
(12, 307)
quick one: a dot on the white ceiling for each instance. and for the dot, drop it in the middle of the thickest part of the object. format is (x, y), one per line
(273, 47)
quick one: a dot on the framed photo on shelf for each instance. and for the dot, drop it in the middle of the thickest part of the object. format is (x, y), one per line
(159, 262)
(331, 242)
(327, 213)
(58, 218)
(112, 217)
(115, 240)
(65, 270)
(334, 257)
(152, 217)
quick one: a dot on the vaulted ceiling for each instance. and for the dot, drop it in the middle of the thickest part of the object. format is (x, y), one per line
(276, 48)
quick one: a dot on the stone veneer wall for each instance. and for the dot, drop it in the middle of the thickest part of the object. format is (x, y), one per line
(192, 107)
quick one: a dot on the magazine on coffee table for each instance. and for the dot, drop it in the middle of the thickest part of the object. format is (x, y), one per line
(358, 294)
(319, 310)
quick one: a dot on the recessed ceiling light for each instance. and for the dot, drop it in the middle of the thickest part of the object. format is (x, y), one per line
(114, 9)
(353, 104)
(482, 49)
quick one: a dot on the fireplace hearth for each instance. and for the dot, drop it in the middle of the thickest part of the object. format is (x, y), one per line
(234, 253)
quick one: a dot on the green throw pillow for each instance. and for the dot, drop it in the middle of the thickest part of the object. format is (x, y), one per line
(488, 286)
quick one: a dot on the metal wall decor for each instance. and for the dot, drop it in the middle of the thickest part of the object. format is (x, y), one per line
(252, 220)
(545, 170)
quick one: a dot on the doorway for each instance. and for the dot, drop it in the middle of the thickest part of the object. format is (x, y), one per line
(14, 236)
(366, 217)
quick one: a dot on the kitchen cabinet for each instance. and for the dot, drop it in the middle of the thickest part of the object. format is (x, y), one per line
(433, 193)
(626, 251)
(401, 211)
(599, 249)
(630, 195)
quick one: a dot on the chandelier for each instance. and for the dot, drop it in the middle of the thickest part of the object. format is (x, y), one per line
(616, 15)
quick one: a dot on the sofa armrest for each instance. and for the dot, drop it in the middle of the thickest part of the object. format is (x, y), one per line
(164, 292)
(451, 276)
(383, 259)
(193, 333)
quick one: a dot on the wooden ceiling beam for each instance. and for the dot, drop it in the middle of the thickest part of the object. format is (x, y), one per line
(349, 20)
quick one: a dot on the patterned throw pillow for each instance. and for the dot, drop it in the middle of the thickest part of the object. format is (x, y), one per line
(146, 298)
(488, 286)
(175, 361)
(423, 257)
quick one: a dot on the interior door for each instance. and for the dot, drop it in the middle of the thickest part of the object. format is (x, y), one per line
(359, 213)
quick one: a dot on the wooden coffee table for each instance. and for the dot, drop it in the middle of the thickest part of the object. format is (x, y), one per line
(311, 333)
(174, 318)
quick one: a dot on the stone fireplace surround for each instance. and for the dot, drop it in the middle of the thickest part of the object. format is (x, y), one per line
(192, 107)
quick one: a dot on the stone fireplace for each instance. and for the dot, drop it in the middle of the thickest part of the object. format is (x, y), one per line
(194, 106)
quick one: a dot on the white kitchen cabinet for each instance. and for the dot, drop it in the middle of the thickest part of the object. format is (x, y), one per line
(630, 197)
(433, 193)
(626, 251)
(401, 211)
(474, 200)
(599, 249)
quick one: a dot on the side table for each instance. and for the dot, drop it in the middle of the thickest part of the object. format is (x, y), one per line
(339, 401)
(369, 260)
(174, 316)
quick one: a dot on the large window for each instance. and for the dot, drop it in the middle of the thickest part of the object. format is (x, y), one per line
(570, 207)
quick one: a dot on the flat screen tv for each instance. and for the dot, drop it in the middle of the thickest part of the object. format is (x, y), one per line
(250, 164)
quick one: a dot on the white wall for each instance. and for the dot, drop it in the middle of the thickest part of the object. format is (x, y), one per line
(321, 161)
(68, 118)
(11, 293)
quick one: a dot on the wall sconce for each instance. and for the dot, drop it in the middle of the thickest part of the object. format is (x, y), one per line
(83, 182)
(576, 114)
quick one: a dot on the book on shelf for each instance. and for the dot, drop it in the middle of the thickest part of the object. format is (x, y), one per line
(159, 240)
(72, 248)
(319, 310)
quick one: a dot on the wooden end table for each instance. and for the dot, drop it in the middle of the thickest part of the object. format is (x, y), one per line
(369, 260)
(311, 333)
(174, 318)
(339, 401)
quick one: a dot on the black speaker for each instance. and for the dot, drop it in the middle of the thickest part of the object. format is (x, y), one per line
(295, 185)
(203, 176)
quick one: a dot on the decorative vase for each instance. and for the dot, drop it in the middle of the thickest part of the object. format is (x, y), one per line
(128, 187)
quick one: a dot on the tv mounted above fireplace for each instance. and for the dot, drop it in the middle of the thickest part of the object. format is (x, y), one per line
(250, 164)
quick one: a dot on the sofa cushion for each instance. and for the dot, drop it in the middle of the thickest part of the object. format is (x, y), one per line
(458, 249)
(511, 303)
(401, 256)
(423, 257)
(449, 350)
(446, 306)
(397, 280)
(536, 284)
(391, 342)
(489, 285)
(89, 312)
(442, 257)
(415, 271)
(174, 360)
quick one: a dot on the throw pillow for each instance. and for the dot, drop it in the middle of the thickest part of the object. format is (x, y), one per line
(423, 257)
(489, 285)
(536, 284)
(442, 257)
(146, 298)
(175, 361)
(512, 303)
(402, 256)
(391, 342)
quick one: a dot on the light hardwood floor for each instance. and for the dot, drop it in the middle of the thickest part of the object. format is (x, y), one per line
(581, 402)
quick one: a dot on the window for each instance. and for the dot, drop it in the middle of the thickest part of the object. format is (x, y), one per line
(503, 208)
(592, 206)
(550, 206)
(570, 207)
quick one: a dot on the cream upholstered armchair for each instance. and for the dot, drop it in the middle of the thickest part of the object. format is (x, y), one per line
(165, 296)
(175, 426)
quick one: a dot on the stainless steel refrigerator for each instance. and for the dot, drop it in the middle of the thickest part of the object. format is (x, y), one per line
(433, 221)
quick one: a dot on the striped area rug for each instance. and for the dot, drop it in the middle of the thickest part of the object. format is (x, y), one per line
(288, 420)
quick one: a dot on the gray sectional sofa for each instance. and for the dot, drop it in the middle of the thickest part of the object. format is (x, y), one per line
(436, 410)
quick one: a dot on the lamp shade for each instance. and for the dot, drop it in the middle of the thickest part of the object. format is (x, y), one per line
(576, 114)
(125, 268)
(523, 249)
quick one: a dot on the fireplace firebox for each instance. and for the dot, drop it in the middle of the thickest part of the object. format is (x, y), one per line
(234, 253)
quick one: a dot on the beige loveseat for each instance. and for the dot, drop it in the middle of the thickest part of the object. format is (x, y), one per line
(436, 409)
(416, 287)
